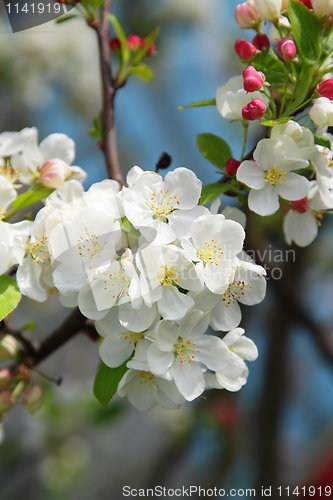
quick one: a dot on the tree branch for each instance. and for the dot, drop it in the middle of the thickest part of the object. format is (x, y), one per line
(109, 146)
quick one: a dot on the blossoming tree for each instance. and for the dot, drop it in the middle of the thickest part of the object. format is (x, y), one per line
(152, 263)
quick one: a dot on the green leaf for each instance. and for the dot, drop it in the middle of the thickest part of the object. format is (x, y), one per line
(306, 31)
(142, 71)
(29, 326)
(140, 54)
(322, 141)
(278, 121)
(242, 198)
(121, 35)
(215, 149)
(196, 104)
(28, 198)
(106, 382)
(212, 191)
(275, 76)
(10, 295)
(65, 18)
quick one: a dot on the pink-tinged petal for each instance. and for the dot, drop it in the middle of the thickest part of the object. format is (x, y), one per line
(115, 350)
(225, 318)
(264, 201)
(294, 187)
(159, 361)
(173, 304)
(251, 174)
(188, 378)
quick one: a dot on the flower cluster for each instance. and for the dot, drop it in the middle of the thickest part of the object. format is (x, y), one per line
(293, 165)
(154, 270)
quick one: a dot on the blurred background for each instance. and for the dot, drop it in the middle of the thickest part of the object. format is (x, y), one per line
(278, 430)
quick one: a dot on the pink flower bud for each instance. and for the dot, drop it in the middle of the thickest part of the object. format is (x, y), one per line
(325, 89)
(54, 173)
(246, 15)
(114, 44)
(254, 110)
(232, 166)
(307, 3)
(32, 398)
(5, 402)
(134, 42)
(245, 49)
(261, 42)
(5, 378)
(287, 49)
(253, 79)
(299, 206)
(151, 50)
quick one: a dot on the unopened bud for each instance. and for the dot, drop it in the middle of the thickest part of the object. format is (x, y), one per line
(322, 8)
(246, 15)
(287, 49)
(245, 49)
(232, 166)
(253, 79)
(32, 398)
(151, 50)
(114, 44)
(261, 42)
(5, 378)
(54, 173)
(5, 402)
(8, 347)
(325, 89)
(254, 110)
(299, 206)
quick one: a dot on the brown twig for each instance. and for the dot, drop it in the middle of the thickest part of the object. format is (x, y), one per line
(109, 143)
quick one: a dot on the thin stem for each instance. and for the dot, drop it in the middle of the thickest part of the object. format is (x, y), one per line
(109, 90)
(246, 127)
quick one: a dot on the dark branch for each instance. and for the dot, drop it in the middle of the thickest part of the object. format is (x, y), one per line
(109, 145)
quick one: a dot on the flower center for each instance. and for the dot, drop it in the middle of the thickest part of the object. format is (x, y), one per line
(162, 204)
(275, 176)
(210, 253)
(235, 292)
(117, 283)
(9, 173)
(165, 276)
(147, 379)
(131, 337)
(2, 214)
(39, 250)
(91, 247)
(184, 350)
